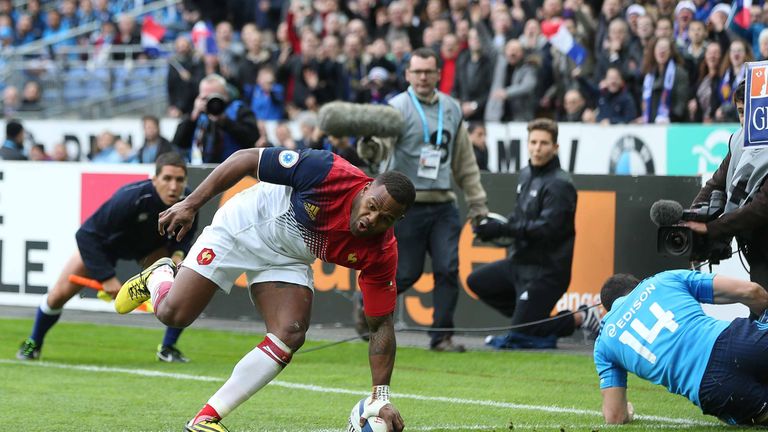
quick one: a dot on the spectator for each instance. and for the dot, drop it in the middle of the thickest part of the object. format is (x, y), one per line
(210, 135)
(634, 12)
(379, 88)
(256, 56)
(615, 105)
(694, 53)
(665, 86)
(25, 31)
(68, 10)
(752, 33)
(717, 22)
(378, 59)
(184, 73)
(707, 97)
(532, 40)
(449, 53)
(86, 13)
(610, 10)
(664, 28)
(229, 50)
(645, 30)
(268, 102)
(105, 149)
(354, 68)
(14, 142)
(763, 45)
(154, 143)
(314, 81)
(331, 48)
(399, 26)
(619, 50)
(477, 136)
(31, 97)
(37, 153)
(102, 12)
(124, 151)
(401, 54)
(684, 12)
(733, 70)
(474, 70)
(128, 36)
(284, 136)
(59, 153)
(307, 121)
(574, 106)
(513, 88)
(39, 18)
(11, 102)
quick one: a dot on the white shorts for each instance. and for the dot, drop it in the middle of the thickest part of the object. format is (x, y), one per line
(222, 254)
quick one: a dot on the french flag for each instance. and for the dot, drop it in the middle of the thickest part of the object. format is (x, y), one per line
(563, 41)
(151, 35)
(202, 38)
(740, 14)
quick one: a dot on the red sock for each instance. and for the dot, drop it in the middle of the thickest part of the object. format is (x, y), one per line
(206, 413)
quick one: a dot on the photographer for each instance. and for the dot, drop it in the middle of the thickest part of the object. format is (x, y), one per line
(741, 176)
(528, 283)
(217, 127)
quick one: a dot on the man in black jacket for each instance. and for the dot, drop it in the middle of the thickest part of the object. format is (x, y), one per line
(124, 227)
(746, 209)
(528, 283)
(217, 126)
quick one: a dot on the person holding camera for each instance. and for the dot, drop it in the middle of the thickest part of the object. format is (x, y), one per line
(741, 176)
(528, 283)
(217, 126)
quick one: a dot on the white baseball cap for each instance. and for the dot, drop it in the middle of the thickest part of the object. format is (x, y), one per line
(685, 4)
(635, 9)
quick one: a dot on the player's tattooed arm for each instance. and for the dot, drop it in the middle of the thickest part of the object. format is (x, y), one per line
(381, 348)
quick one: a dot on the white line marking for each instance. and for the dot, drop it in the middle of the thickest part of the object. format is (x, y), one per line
(315, 388)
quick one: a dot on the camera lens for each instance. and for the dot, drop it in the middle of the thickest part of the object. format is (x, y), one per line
(676, 243)
(215, 105)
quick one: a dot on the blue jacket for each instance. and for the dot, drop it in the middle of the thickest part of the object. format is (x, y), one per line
(619, 107)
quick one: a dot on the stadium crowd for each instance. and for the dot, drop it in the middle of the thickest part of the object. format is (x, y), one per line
(644, 62)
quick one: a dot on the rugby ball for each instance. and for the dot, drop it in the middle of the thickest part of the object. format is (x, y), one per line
(373, 424)
(498, 241)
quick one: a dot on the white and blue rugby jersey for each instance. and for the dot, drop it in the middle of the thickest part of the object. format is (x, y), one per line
(660, 333)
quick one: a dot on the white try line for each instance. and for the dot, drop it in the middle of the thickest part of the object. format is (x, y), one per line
(320, 389)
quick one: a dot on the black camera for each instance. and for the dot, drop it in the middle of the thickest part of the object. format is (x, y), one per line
(675, 240)
(216, 104)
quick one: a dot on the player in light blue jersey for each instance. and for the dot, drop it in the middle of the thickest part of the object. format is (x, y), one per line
(657, 330)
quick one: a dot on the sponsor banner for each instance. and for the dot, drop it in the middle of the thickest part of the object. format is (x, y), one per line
(584, 149)
(756, 105)
(697, 149)
(40, 211)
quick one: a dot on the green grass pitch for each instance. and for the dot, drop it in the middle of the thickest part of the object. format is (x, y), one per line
(106, 378)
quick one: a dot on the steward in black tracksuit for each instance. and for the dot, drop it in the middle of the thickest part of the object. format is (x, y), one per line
(529, 282)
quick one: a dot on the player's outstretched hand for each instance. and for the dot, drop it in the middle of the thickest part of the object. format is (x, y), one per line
(387, 412)
(176, 221)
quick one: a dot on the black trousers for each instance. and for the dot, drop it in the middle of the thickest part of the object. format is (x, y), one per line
(500, 286)
(432, 229)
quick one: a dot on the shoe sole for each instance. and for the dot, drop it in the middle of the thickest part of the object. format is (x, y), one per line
(123, 302)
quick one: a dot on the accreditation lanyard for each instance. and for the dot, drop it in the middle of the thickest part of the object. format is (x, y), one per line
(423, 117)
